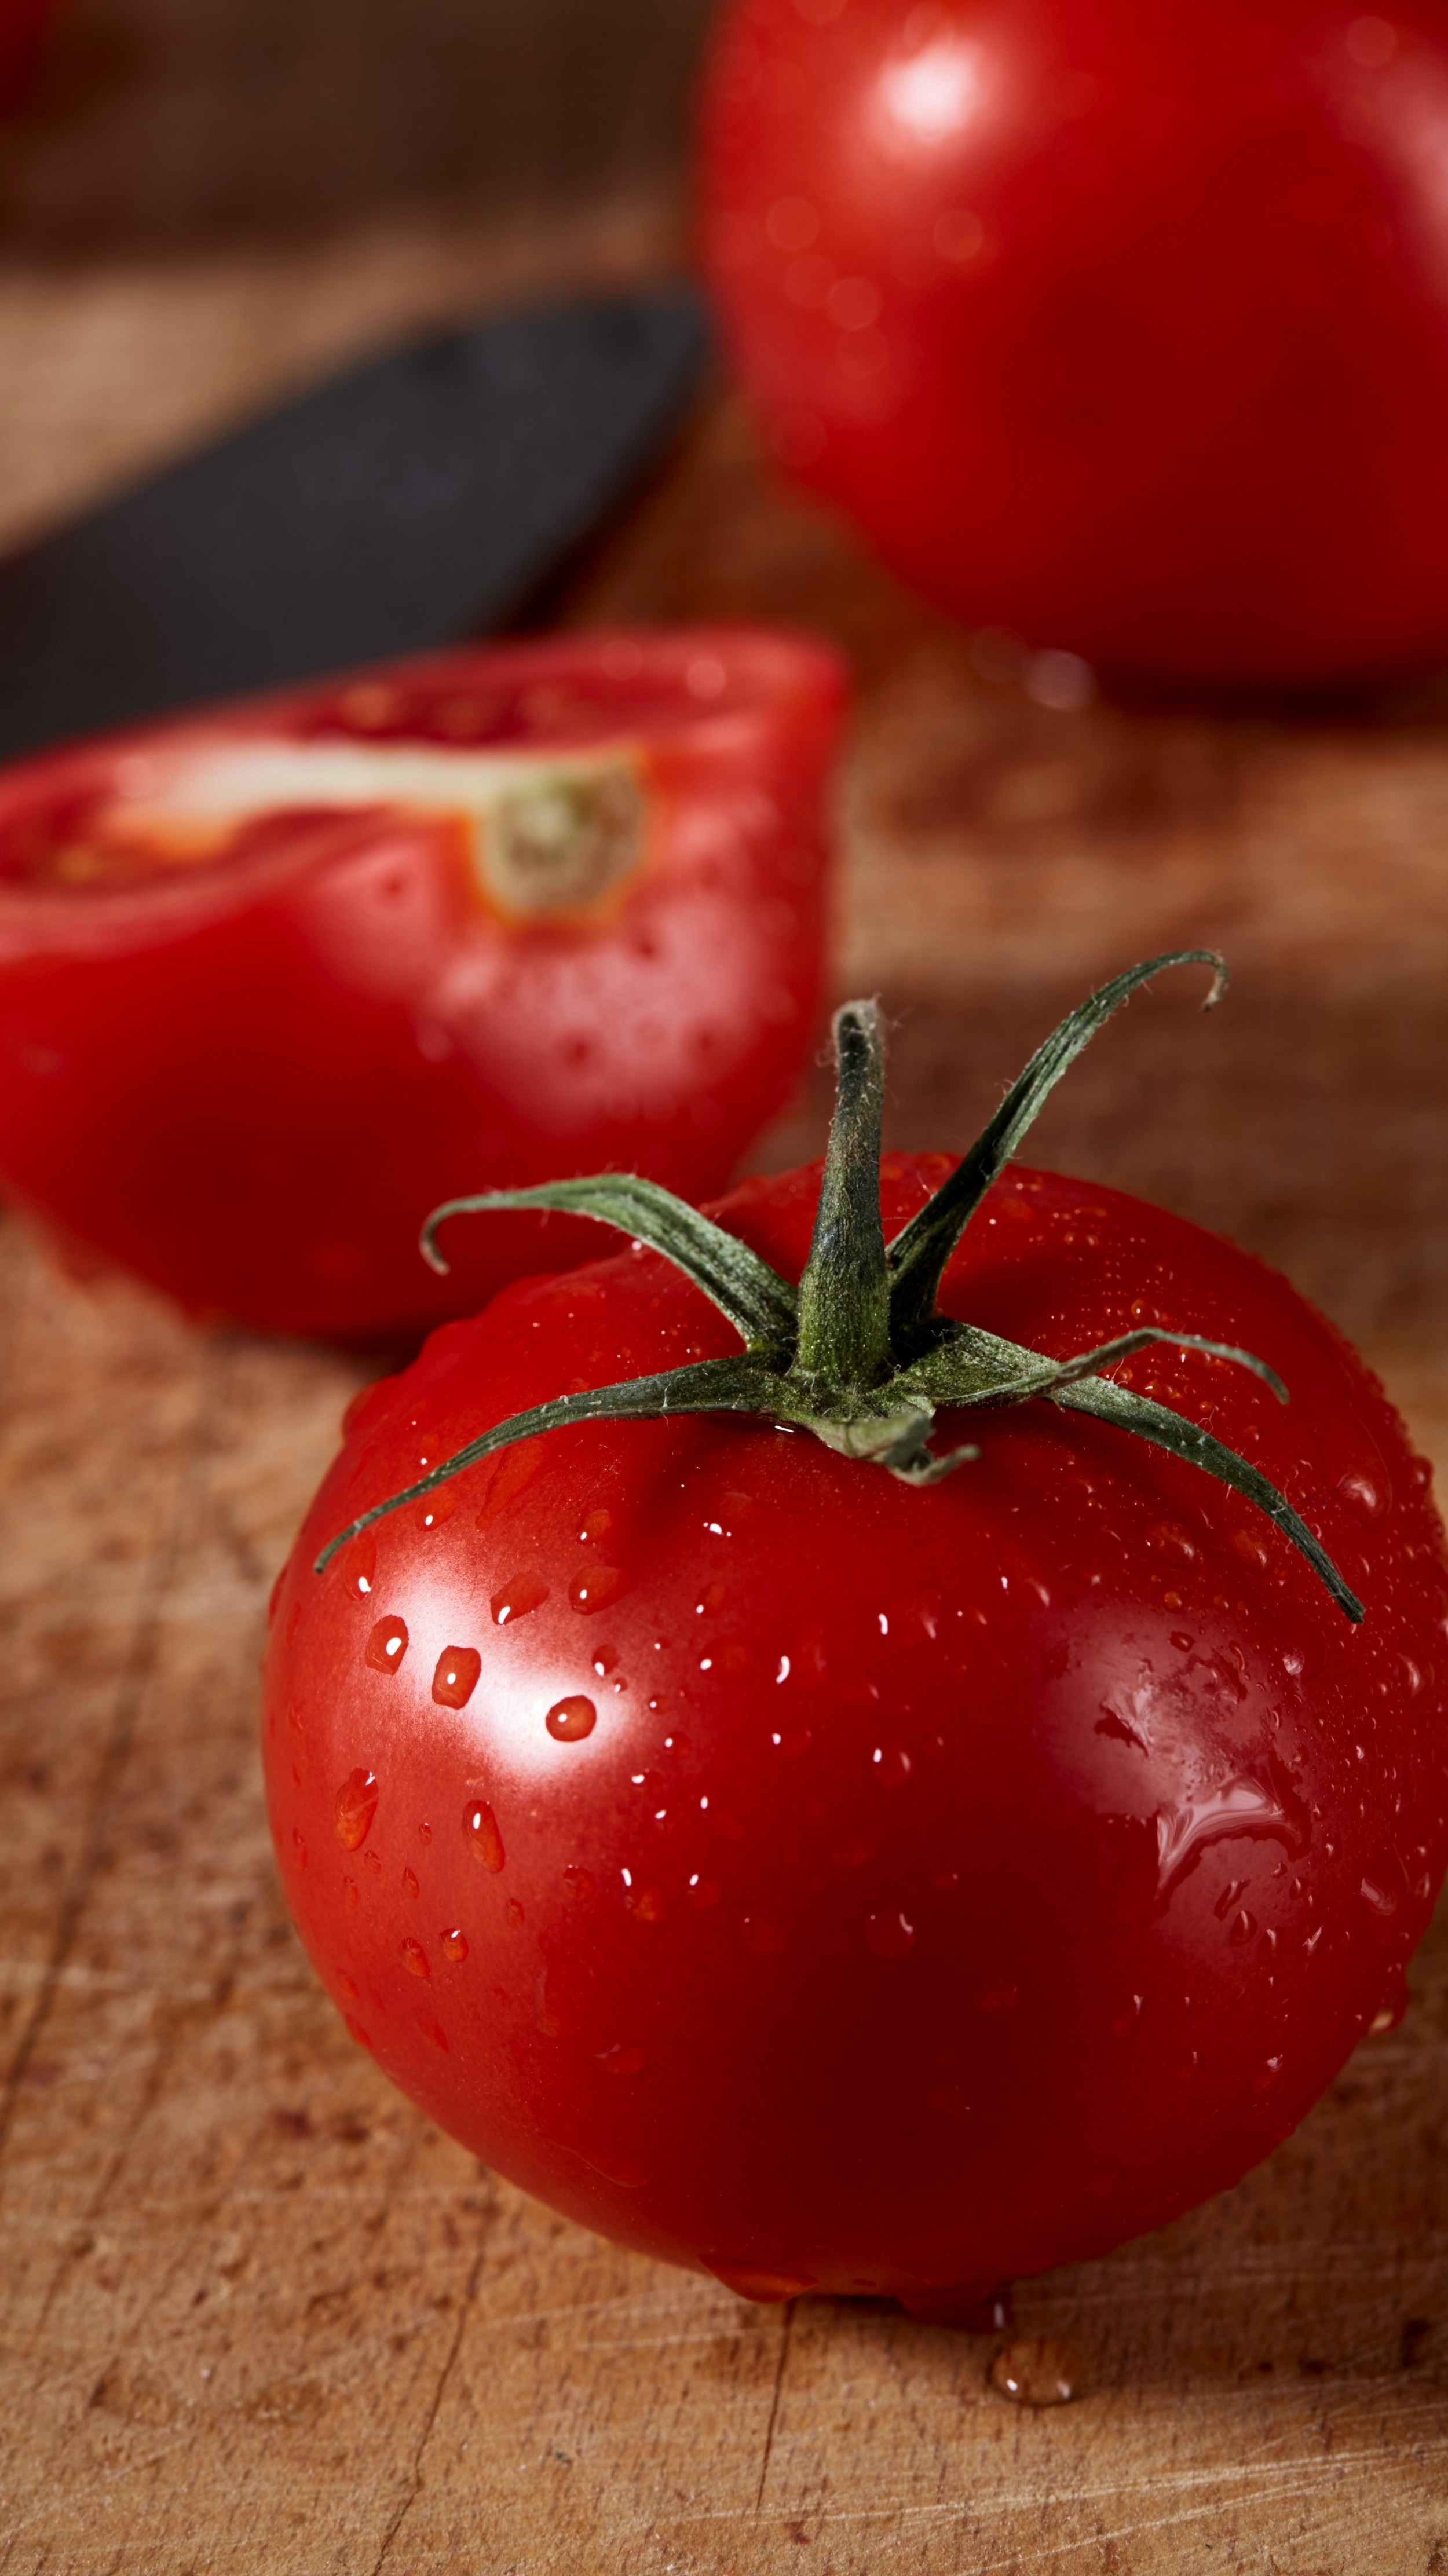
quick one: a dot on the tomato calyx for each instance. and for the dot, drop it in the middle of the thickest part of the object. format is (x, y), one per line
(858, 1354)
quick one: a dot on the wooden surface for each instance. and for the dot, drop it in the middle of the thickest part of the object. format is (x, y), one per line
(254, 2312)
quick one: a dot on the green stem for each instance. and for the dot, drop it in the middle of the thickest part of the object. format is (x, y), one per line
(844, 1296)
(919, 1254)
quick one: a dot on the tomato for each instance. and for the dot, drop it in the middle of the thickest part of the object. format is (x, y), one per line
(276, 980)
(1120, 326)
(835, 1880)
(22, 25)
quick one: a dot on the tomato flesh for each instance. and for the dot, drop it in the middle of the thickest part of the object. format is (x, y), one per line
(1120, 326)
(829, 1883)
(275, 982)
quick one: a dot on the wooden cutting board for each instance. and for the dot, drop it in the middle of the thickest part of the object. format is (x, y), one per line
(257, 2313)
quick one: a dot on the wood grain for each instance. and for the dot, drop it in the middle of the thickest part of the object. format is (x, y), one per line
(254, 2312)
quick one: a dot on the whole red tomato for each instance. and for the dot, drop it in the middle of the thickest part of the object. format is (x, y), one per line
(1121, 325)
(276, 980)
(832, 1882)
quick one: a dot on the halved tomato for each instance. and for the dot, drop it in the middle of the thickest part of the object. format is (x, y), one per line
(276, 980)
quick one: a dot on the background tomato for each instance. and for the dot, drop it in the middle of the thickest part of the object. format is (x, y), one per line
(829, 1882)
(275, 981)
(22, 24)
(1122, 326)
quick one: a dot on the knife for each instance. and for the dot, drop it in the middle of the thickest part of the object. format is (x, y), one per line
(416, 500)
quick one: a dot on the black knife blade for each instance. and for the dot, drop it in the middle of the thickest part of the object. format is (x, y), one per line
(415, 501)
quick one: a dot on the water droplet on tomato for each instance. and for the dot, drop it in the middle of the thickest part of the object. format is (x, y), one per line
(1036, 2370)
(766, 2289)
(702, 1892)
(1394, 2004)
(480, 1826)
(456, 1677)
(414, 1959)
(455, 1944)
(299, 1847)
(597, 1586)
(1366, 1495)
(386, 1646)
(353, 1809)
(437, 1509)
(621, 2060)
(569, 1720)
(1242, 1929)
(524, 1592)
(891, 1764)
(409, 1882)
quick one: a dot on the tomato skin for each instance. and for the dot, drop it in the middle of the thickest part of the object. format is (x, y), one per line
(948, 1883)
(1120, 326)
(251, 1080)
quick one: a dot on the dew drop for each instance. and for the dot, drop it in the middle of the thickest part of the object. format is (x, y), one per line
(891, 1764)
(569, 1720)
(579, 1884)
(456, 1677)
(455, 1944)
(414, 1958)
(597, 1586)
(524, 1592)
(597, 1525)
(515, 1469)
(515, 1914)
(621, 2061)
(702, 1893)
(409, 1883)
(1036, 2370)
(480, 1826)
(353, 1809)
(1242, 1929)
(386, 1646)
(438, 1508)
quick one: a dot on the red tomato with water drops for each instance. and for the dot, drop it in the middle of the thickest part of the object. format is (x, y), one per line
(1121, 326)
(275, 980)
(831, 1883)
